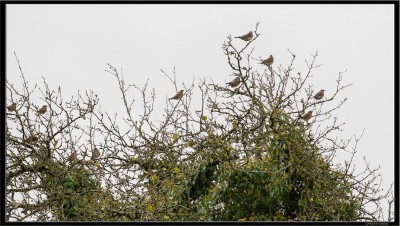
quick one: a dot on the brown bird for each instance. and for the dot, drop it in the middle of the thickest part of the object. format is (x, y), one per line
(73, 156)
(268, 62)
(247, 37)
(42, 110)
(31, 138)
(178, 96)
(307, 116)
(95, 153)
(235, 82)
(319, 95)
(12, 107)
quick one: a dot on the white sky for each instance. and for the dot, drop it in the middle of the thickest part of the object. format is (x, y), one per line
(70, 45)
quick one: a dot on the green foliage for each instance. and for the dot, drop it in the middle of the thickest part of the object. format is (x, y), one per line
(284, 178)
(75, 195)
(291, 182)
(202, 181)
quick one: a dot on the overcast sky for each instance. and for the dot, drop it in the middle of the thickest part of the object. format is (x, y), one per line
(70, 45)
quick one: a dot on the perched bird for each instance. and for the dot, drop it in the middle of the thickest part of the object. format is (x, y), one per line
(95, 153)
(235, 82)
(73, 156)
(178, 96)
(12, 107)
(42, 110)
(247, 37)
(31, 138)
(268, 61)
(319, 95)
(307, 116)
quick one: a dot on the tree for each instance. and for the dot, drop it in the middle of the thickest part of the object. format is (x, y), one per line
(246, 153)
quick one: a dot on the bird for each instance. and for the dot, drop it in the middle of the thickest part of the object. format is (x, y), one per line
(12, 107)
(73, 156)
(319, 95)
(247, 37)
(178, 96)
(269, 61)
(95, 153)
(235, 82)
(31, 138)
(42, 110)
(307, 116)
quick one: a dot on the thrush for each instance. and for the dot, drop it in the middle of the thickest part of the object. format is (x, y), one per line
(269, 61)
(42, 110)
(307, 116)
(95, 153)
(247, 37)
(319, 95)
(235, 82)
(12, 107)
(73, 156)
(178, 96)
(31, 138)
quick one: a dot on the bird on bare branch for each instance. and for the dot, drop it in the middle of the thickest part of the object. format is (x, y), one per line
(95, 153)
(42, 110)
(32, 138)
(12, 107)
(247, 37)
(307, 116)
(73, 156)
(269, 61)
(235, 82)
(178, 96)
(319, 95)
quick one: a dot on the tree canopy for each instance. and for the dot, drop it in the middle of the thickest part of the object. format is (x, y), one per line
(246, 152)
